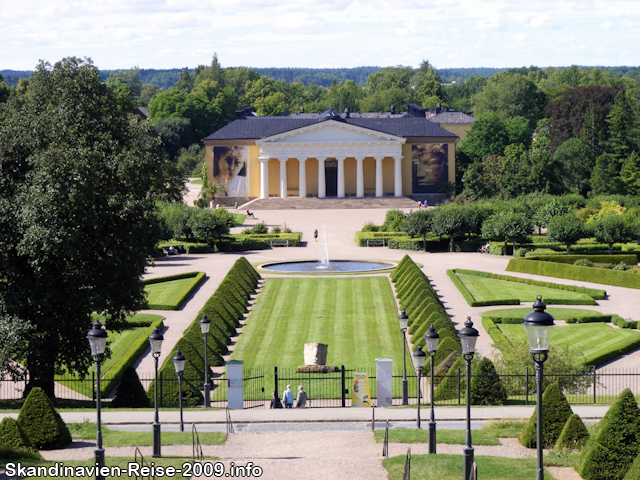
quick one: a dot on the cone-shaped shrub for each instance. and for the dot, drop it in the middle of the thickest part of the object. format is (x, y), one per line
(441, 370)
(130, 392)
(41, 423)
(448, 388)
(486, 386)
(555, 413)
(445, 347)
(634, 471)
(574, 434)
(610, 451)
(11, 435)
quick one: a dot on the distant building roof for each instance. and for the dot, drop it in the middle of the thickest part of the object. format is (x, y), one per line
(448, 116)
(143, 112)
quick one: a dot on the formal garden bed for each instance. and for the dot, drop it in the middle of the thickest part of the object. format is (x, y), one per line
(169, 293)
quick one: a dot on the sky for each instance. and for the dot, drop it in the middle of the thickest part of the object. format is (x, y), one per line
(161, 34)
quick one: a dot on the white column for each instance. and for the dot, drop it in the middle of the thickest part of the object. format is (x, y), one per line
(397, 177)
(379, 176)
(283, 177)
(264, 177)
(340, 176)
(359, 177)
(322, 186)
(302, 178)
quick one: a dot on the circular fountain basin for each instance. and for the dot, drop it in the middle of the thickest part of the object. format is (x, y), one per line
(335, 266)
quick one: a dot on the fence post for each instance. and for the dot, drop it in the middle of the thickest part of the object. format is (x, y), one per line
(343, 386)
(161, 383)
(458, 385)
(526, 385)
(275, 380)
(594, 384)
(93, 386)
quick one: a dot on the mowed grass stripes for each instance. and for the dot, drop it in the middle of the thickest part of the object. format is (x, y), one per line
(355, 317)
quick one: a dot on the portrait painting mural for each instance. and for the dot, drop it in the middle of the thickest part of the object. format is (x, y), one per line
(430, 162)
(230, 169)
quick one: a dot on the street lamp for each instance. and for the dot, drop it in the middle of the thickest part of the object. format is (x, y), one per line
(155, 340)
(178, 362)
(432, 338)
(403, 319)
(419, 357)
(205, 323)
(97, 337)
(538, 324)
(468, 336)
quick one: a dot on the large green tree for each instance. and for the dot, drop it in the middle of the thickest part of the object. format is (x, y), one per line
(77, 222)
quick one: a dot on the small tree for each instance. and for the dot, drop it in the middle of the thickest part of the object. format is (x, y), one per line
(567, 229)
(486, 386)
(574, 434)
(610, 229)
(211, 223)
(130, 392)
(41, 423)
(509, 226)
(451, 221)
(419, 225)
(11, 435)
(556, 414)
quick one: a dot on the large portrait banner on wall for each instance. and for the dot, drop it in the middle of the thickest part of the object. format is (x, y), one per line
(230, 169)
(430, 165)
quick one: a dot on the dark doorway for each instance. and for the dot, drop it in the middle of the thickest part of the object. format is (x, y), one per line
(331, 177)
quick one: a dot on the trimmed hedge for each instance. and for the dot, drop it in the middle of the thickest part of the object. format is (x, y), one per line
(574, 434)
(224, 309)
(295, 238)
(634, 471)
(556, 411)
(130, 392)
(486, 386)
(12, 435)
(471, 300)
(448, 387)
(611, 450)
(628, 259)
(494, 332)
(574, 272)
(198, 278)
(41, 423)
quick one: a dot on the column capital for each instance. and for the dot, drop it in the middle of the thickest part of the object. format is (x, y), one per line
(398, 157)
(379, 157)
(302, 159)
(359, 158)
(321, 159)
(263, 159)
(283, 159)
(340, 159)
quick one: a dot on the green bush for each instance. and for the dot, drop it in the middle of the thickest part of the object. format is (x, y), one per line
(130, 392)
(257, 229)
(621, 267)
(556, 413)
(448, 388)
(634, 471)
(583, 262)
(41, 423)
(11, 435)
(10, 453)
(612, 448)
(445, 347)
(494, 332)
(574, 434)
(486, 386)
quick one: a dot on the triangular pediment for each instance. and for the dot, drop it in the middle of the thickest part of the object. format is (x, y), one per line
(331, 132)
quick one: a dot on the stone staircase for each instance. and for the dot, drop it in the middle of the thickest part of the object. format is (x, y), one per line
(314, 203)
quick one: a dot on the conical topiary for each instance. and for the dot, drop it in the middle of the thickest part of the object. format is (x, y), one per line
(130, 392)
(41, 423)
(555, 413)
(610, 451)
(448, 388)
(441, 370)
(486, 386)
(634, 471)
(445, 347)
(574, 434)
(11, 435)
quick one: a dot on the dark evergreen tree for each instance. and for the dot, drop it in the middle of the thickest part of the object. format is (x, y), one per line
(486, 386)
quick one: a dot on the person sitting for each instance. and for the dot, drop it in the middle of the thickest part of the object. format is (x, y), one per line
(172, 250)
(250, 214)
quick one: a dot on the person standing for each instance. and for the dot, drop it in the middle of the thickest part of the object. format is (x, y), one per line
(315, 234)
(287, 397)
(275, 401)
(301, 399)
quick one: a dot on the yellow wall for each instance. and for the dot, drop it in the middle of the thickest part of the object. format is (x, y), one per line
(458, 129)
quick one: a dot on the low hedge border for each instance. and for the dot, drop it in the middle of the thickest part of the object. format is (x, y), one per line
(198, 278)
(574, 272)
(592, 292)
(295, 238)
(628, 259)
(494, 332)
(471, 300)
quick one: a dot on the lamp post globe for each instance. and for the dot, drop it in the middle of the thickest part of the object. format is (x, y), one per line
(178, 362)
(155, 341)
(403, 320)
(431, 339)
(468, 337)
(419, 357)
(538, 324)
(205, 324)
(97, 337)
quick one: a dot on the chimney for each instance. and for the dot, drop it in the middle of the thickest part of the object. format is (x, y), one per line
(393, 109)
(302, 110)
(347, 113)
(213, 129)
(438, 108)
(239, 114)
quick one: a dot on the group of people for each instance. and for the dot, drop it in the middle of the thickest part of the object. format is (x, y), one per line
(422, 205)
(287, 398)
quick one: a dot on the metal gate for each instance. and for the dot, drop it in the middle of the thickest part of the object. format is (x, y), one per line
(253, 387)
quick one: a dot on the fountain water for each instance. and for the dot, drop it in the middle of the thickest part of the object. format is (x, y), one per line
(324, 252)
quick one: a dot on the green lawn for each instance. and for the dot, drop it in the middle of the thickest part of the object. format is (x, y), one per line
(355, 317)
(593, 339)
(171, 294)
(489, 289)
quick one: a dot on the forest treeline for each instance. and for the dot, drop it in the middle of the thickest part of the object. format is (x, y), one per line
(549, 130)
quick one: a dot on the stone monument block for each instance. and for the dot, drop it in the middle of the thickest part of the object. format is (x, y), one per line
(315, 354)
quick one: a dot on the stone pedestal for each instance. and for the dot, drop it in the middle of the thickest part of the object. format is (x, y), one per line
(384, 382)
(315, 354)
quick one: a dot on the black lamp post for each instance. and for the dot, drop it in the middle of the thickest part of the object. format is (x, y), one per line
(205, 323)
(538, 324)
(155, 340)
(468, 336)
(403, 319)
(432, 338)
(178, 362)
(97, 337)
(419, 357)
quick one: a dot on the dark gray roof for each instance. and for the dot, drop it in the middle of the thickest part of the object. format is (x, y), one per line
(452, 117)
(255, 128)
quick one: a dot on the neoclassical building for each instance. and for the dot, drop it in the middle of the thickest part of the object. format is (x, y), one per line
(331, 155)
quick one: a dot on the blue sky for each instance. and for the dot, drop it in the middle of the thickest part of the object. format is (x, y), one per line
(333, 33)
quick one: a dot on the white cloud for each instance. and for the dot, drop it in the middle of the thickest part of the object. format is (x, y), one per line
(606, 25)
(541, 21)
(488, 23)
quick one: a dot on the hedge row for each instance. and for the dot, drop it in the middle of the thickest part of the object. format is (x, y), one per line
(198, 278)
(622, 323)
(423, 307)
(400, 241)
(224, 309)
(294, 238)
(592, 292)
(628, 259)
(468, 296)
(494, 332)
(497, 318)
(574, 272)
